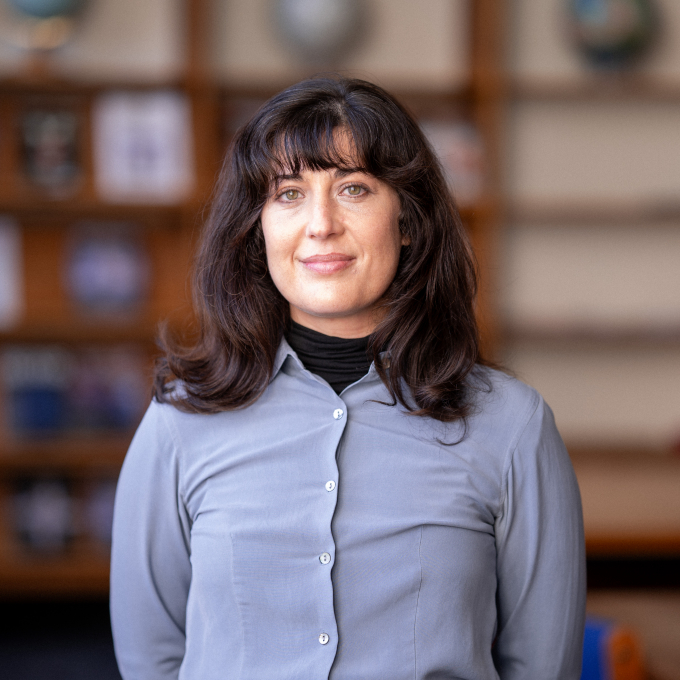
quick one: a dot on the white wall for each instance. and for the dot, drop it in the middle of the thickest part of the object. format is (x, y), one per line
(594, 152)
(605, 278)
(606, 394)
(421, 45)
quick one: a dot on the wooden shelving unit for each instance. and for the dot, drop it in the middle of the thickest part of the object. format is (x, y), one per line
(168, 233)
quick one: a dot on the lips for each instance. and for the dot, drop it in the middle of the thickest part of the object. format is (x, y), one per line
(327, 264)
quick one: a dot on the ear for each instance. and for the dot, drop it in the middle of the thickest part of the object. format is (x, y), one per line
(405, 240)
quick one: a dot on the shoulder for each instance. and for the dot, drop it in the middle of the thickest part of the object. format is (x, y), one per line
(502, 404)
(514, 419)
(175, 422)
(509, 421)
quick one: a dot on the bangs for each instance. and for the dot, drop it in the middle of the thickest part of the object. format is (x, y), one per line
(326, 124)
(326, 146)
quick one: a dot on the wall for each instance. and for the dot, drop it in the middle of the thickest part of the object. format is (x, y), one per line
(404, 44)
(591, 257)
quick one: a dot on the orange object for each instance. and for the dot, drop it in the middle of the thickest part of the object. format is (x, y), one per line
(624, 653)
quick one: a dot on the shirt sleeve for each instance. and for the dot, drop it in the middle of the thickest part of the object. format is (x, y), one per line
(540, 559)
(150, 567)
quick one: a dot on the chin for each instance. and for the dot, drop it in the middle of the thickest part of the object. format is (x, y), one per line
(334, 306)
(329, 312)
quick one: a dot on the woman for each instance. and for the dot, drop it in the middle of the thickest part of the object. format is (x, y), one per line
(329, 483)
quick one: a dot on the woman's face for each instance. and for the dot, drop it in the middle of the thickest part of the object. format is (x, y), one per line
(333, 241)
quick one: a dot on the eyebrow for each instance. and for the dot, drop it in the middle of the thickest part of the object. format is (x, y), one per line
(343, 172)
(296, 176)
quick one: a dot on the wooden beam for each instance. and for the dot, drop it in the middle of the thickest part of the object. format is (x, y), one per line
(488, 93)
(196, 14)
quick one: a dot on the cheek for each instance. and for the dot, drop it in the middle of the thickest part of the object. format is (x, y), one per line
(279, 251)
(276, 244)
(389, 247)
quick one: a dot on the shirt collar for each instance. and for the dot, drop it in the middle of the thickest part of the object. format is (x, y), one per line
(284, 351)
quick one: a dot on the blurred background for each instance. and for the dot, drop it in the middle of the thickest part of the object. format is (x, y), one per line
(558, 123)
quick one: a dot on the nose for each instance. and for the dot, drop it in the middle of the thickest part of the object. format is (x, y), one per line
(323, 219)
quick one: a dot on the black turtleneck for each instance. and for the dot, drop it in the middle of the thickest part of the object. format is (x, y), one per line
(339, 361)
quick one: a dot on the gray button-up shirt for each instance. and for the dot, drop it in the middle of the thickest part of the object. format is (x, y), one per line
(312, 536)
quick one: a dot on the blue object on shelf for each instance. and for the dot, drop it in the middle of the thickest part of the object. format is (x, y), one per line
(612, 33)
(38, 410)
(611, 652)
(593, 660)
(46, 9)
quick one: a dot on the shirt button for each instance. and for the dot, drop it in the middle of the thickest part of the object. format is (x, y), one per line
(330, 485)
(324, 558)
(323, 639)
(338, 413)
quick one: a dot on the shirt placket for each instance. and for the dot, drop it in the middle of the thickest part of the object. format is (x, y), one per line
(327, 636)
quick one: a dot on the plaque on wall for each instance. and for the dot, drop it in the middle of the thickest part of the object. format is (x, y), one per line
(613, 34)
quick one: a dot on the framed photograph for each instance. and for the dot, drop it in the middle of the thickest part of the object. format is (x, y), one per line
(143, 147)
(460, 149)
(35, 381)
(50, 148)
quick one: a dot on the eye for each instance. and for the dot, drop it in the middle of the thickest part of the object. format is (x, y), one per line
(291, 194)
(354, 189)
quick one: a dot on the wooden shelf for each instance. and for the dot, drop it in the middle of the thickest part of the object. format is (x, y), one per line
(80, 329)
(238, 90)
(607, 88)
(92, 452)
(625, 544)
(40, 206)
(592, 336)
(167, 233)
(556, 212)
(51, 84)
(34, 575)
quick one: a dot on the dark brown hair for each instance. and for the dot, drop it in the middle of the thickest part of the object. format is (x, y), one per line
(428, 329)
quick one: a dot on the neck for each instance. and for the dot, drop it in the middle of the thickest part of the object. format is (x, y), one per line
(356, 326)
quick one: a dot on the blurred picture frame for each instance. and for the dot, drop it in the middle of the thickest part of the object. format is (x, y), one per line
(143, 147)
(460, 149)
(50, 148)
